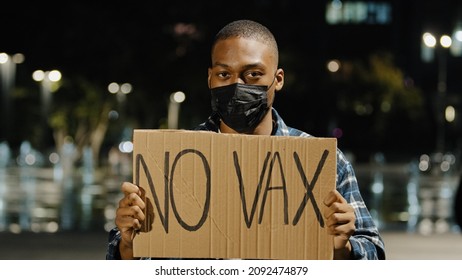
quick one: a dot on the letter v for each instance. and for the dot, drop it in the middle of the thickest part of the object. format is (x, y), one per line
(248, 221)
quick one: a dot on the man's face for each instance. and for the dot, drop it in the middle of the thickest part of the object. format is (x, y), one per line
(241, 60)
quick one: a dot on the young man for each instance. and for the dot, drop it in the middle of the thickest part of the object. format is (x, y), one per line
(244, 78)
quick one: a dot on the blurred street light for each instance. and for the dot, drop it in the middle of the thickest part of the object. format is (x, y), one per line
(445, 42)
(49, 82)
(176, 99)
(456, 47)
(7, 76)
(121, 90)
(333, 65)
(430, 46)
(450, 113)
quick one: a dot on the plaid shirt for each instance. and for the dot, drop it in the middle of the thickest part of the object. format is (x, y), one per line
(366, 242)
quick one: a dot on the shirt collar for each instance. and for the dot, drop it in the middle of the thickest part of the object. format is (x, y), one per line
(281, 129)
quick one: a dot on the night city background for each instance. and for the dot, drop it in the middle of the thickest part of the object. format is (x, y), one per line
(356, 70)
(165, 48)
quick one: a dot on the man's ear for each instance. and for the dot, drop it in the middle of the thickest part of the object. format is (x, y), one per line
(279, 79)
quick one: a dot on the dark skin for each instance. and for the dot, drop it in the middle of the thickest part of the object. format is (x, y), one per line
(241, 60)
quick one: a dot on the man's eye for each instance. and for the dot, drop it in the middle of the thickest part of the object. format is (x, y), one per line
(223, 75)
(253, 75)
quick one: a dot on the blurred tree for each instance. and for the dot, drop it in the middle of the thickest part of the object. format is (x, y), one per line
(81, 112)
(376, 98)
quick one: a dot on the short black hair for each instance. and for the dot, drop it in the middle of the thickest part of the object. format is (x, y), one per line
(250, 30)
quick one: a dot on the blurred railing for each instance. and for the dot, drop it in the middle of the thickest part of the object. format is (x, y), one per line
(415, 196)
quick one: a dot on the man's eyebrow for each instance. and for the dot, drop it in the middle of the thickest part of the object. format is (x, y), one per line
(254, 65)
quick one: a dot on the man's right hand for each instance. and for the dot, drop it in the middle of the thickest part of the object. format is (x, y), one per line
(129, 216)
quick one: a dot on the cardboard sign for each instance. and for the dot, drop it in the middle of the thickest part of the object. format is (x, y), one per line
(213, 195)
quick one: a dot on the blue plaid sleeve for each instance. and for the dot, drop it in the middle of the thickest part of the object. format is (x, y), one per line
(366, 242)
(113, 252)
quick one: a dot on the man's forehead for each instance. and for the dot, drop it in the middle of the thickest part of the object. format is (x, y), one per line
(242, 51)
(240, 43)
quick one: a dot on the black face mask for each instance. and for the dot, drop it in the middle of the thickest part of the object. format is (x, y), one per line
(240, 106)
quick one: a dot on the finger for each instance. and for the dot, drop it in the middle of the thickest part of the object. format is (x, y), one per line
(340, 197)
(330, 198)
(128, 228)
(128, 188)
(340, 219)
(127, 224)
(132, 211)
(342, 229)
(334, 196)
(337, 207)
(132, 199)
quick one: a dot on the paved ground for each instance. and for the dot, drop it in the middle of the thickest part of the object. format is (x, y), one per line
(92, 246)
(58, 246)
(407, 246)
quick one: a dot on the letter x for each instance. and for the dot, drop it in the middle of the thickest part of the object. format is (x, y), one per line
(309, 188)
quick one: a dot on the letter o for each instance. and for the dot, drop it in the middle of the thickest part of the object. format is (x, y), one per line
(207, 195)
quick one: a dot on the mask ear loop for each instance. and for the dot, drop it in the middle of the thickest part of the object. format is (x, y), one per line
(274, 78)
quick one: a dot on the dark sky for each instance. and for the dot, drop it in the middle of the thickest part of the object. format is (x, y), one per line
(134, 41)
(103, 37)
(112, 39)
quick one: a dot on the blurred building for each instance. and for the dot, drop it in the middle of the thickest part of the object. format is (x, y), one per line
(356, 29)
